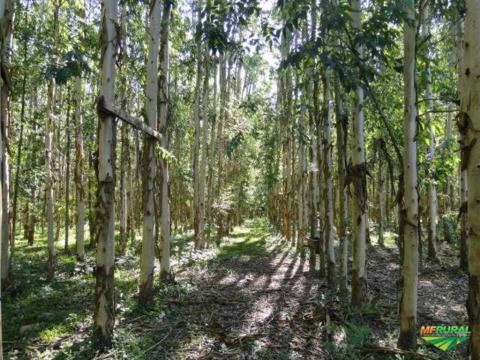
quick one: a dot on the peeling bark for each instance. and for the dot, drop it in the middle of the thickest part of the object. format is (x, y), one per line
(104, 317)
(470, 122)
(357, 175)
(149, 166)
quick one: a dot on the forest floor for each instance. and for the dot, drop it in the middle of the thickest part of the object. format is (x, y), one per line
(252, 298)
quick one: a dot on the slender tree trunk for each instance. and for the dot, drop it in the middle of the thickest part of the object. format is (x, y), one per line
(463, 166)
(432, 189)
(67, 178)
(469, 125)
(408, 303)
(92, 223)
(302, 198)
(313, 101)
(79, 172)
(342, 126)
(197, 206)
(328, 180)
(31, 219)
(382, 192)
(6, 41)
(211, 158)
(19, 157)
(125, 143)
(4, 13)
(220, 143)
(164, 115)
(104, 317)
(321, 185)
(48, 157)
(358, 177)
(149, 163)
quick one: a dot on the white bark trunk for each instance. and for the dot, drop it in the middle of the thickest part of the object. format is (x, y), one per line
(163, 124)
(79, 172)
(328, 180)
(408, 305)
(198, 221)
(104, 318)
(6, 42)
(124, 164)
(358, 173)
(149, 164)
(49, 160)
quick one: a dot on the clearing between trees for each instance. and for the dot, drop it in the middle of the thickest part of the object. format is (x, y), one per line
(253, 298)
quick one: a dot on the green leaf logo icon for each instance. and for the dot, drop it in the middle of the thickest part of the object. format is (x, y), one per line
(445, 343)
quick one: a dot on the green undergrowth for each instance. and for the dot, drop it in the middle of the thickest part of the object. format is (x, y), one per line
(45, 319)
(52, 319)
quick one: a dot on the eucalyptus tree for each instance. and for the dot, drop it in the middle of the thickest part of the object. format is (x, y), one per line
(149, 162)
(469, 125)
(3, 33)
(358, 176)
(49, 147)
(458, 33)
(408, 303)
(432, 190)
(328, 178)
(79, 177)
(164, 111)
(5, 93)
(342, 214)
(198, 203)
(104, 317)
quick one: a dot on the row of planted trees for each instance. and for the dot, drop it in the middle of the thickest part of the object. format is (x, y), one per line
(344, 160)
(79, 164)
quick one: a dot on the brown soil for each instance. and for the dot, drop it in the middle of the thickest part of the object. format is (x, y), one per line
(269, 305)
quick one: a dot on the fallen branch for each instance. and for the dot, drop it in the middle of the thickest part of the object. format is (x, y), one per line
(103, 106)
(154, 346)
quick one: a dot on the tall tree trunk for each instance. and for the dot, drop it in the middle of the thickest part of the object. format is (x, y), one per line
(220, 142)
(408, 303)
(211, 158)
(79, 172)
(358, 177)
(125, 143)
(4, 14)
(198, 223)
(202, 173)
(382, 207)
(49, 156)
(19, 159)
(302, 198)
(6, 42)
(463, 166)
(164, 115)
(149, 164)
(104, 318)
(92, 223)
(67, 177)
(328, 180)
(469, 124)
(342, 126)
(432, 189)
